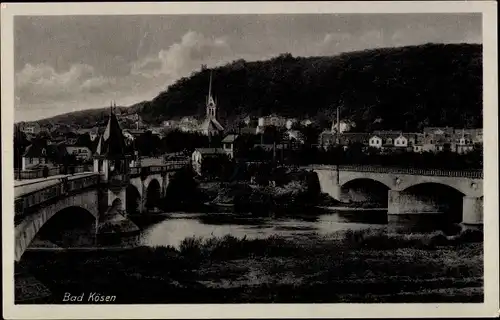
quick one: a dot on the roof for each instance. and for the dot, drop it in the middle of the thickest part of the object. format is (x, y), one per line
(387, 135)
(211, 124)
(438, 130)
(248, 130)
(208, 151)
(112, 141)
(230, 138)
(39, 150)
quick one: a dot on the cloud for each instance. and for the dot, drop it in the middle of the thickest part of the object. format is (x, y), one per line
(337, 42)
(183, 57)
(42, 83)
(39, 86)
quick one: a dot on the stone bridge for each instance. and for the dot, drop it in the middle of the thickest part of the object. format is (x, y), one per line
(408, 193)
(86, 194)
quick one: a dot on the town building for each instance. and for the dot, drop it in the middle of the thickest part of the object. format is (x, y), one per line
(211, 126)
(271, 120)
(290, 123)
(329, 139)
(230, 145)
(200, 154)
(82, 153)
(41, 154)
(465, 140)
(375, 142)
(294, 135)
(439, 131)
(385, 139)
(31, 128)
(342, 126)
(306, 122)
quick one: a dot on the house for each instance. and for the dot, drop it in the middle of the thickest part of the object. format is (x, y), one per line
(464, 141)
(290, 123)
(375, 142)
(401, 141)
(133, 132)
(417, 148)
(33, 128)
(438, 131)
(41, 154)
(414, 138)
(200, 154)
(438, 143)
(306, 122)
(294, 135)
(94, 133)
(170, 124)
(328, 138)
(80, 152)
(271, 120)
(388, 138)
(229, 144)
(476, 135)
(350, 138)
(429, 144)
(342, 126)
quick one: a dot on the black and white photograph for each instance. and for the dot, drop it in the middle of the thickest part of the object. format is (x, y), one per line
(264, 158)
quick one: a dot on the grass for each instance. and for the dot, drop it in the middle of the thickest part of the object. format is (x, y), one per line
(354, 266)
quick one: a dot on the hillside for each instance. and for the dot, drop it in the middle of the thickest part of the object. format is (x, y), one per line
(404, 88)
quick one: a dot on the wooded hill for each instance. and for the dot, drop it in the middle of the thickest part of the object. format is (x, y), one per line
(402, 88)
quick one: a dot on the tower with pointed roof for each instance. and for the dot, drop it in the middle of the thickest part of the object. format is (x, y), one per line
(211, 125)
(112, 160)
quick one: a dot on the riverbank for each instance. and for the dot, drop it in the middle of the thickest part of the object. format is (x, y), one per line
(352, 266)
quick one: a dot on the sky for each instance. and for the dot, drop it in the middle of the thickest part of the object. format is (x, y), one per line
(69, 63)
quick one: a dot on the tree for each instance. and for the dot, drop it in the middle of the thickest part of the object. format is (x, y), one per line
(20, 144)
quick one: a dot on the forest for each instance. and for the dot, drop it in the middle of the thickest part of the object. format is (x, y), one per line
(404, 88)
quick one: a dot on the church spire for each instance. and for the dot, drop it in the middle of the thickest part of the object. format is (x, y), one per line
(211, 106)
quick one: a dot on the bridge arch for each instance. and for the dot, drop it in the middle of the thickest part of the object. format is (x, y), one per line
(133, 199)
(68, 227)
(366, 190)
(436, 197)
(153, 194)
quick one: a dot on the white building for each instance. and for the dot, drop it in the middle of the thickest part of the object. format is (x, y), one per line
(401, 141)
(375, 142)
(80, 152)
(290, 123)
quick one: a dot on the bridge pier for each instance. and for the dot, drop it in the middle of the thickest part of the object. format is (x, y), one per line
(410, 208)
(472, 210)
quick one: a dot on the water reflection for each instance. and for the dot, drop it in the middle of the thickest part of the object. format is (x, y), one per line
(178, 226)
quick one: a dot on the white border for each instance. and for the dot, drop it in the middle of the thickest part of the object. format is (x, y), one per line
(490, 84)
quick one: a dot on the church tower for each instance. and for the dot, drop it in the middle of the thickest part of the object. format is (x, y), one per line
(211, 105)
(210, 125)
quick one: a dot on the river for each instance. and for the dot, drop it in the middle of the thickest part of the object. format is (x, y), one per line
(177, 226)
(170, 229)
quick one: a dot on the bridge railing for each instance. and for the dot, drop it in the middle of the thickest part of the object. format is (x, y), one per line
(168, 166)
(38, 173)
(52, 192)
(473, 174)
